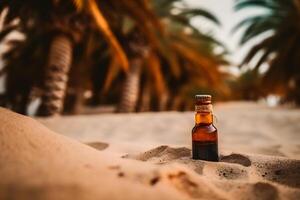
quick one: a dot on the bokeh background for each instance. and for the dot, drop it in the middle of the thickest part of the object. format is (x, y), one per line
(95, 56)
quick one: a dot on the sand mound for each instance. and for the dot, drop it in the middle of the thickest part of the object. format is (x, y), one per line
(36, 163)
(254, 176)
(237, 158)
(163, 153)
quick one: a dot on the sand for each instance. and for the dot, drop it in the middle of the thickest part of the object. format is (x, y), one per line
(243, 127)
(38, 163)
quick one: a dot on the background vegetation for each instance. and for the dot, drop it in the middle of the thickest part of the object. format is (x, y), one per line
(140, 55)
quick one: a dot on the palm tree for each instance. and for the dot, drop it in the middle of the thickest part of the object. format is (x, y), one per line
(279, 48)
(165, 60)
(173, 55)
(143, 32)
(61, 23)
(61, 54)
(137, 52)
(196, 64)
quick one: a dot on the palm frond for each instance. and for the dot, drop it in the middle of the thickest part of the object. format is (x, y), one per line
(257, 48)
(79, 4)
(158, 77)
(248, 21)
(207, 66)
(110, 37)
(6, 31)
(242, 4)
(113, 70)
(256, 29)
(198, 12)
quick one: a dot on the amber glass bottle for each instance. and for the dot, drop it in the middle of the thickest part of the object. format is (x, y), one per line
(204, 133)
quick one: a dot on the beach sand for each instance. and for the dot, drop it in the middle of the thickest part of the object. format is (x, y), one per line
(243, 127)
(125, 157)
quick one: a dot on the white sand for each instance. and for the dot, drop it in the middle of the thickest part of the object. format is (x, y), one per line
(36, 163)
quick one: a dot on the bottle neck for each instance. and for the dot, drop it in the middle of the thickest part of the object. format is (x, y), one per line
(203, 114)
(203, 118)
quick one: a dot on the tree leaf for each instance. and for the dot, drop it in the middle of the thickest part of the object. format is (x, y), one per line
(112, 40)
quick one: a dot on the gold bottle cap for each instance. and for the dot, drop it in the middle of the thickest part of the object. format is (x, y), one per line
(203, 99)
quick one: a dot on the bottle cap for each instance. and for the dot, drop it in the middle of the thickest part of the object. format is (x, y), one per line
(203, 99)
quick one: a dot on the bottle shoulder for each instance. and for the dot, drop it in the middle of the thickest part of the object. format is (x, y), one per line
(204, 128)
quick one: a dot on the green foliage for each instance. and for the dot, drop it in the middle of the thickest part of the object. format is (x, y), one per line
(280, 47)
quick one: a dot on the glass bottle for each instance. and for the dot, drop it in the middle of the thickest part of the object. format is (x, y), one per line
(204, 133)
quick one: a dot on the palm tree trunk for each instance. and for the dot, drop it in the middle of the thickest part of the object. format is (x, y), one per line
(56, 76)
(163, 102)
(145, 98)
(131, 87)
(176, 103)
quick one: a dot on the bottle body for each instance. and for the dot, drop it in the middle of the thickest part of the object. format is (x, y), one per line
(205, 143)
(204, 133)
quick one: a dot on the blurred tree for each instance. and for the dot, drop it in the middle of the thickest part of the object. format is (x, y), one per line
(178, 56)
(280, 49)
(137, 28)
(167, 55)
(61, 25)
(132, 22)
(195, 64)
(247, 86)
